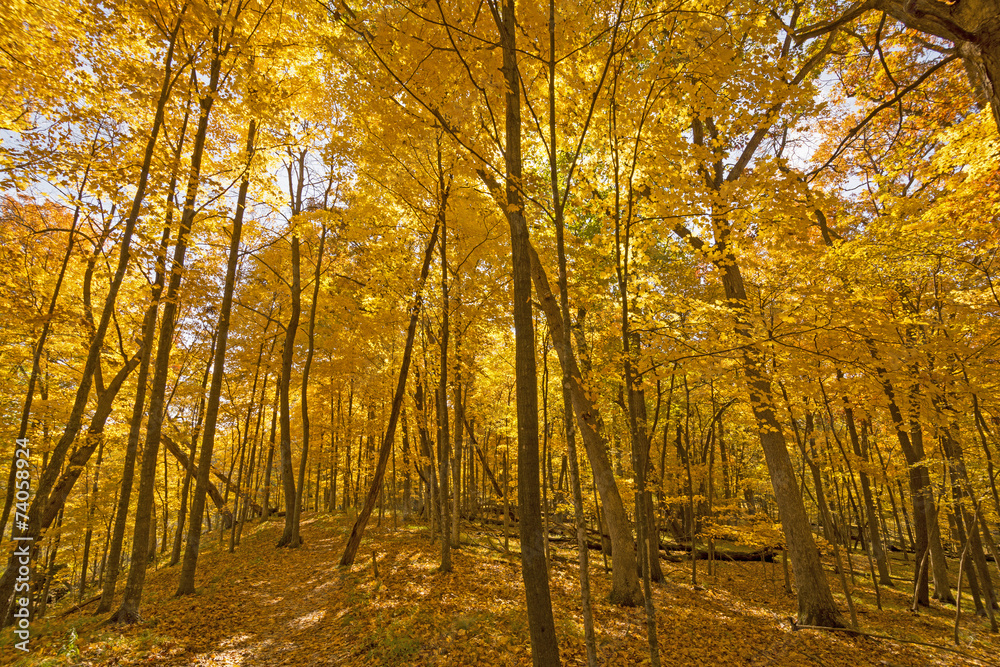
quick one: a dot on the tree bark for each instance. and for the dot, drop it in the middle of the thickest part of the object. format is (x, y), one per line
(624, 573)
(190, 469)
(285, 442)
(110, 579)
(190, 562)
(972, 25)
(295, 540)
(89, 535)
(36, 353)
(357, 531)
(875, 539)
(815, 601)
(74, 421)
(444, 439)
(175, 551)
(544, 648)
(129, 610)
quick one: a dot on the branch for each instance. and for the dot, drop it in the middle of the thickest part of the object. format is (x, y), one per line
(819, 29)
(874, 112)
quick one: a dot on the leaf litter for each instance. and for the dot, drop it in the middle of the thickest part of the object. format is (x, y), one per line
(264, 606)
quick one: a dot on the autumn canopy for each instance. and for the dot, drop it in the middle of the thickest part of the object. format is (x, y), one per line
(606, 286)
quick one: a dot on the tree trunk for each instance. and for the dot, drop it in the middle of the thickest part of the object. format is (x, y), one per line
(875, 539)
(357, 531)
(456, 468)
(36, 353)
(295, 540)
(175, 551)
(285, 443)
(268, 467)
(129, 610)
(624, 579)
(186, 583)
(938, 564)
(972, 25)
(815, 601)
(444, 440)
(544, 648)
(89, 535)
(74, 421)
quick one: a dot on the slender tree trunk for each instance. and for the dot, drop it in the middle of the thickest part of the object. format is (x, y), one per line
(254, 462)
(129, 610)
(816, 604)
(938, 564)
(74, 421)
(444, 440)
(110, 578)
(920, 490)
(456, 510)
(50, 568)
(269, 466)
(36, 353)
(175, 551)
(296, 540)
(544, 648)
(357, 531)
(190, 563)
(238, 502)
(92, 506)
(878, 551)
(625, 581)
(285, 444)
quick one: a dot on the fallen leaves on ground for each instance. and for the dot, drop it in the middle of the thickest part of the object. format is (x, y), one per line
(264, 606)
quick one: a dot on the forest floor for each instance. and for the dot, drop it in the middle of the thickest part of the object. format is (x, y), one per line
(267, 606)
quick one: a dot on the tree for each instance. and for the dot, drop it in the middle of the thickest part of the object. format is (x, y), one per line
(973, 26)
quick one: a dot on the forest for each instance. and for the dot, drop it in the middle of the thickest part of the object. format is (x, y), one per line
(448, 332)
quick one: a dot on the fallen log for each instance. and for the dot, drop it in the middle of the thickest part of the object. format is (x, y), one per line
(213, 491)
(766, 554)
(257, 509)
(79, 605)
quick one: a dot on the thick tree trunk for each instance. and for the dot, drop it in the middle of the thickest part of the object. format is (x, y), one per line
(972, 25)
(816, 604)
